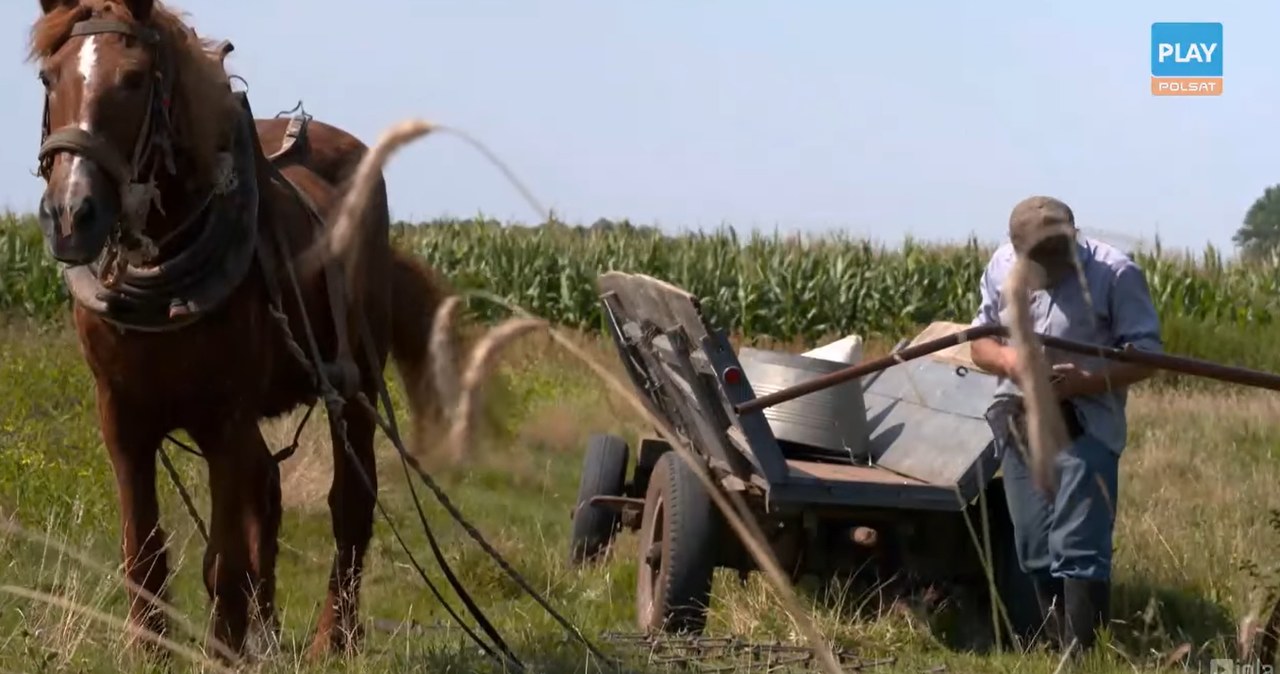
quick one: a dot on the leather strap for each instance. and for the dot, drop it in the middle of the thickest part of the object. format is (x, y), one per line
(75, 139)
(100, 26)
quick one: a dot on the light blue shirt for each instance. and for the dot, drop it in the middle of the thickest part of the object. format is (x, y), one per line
(1118, 311)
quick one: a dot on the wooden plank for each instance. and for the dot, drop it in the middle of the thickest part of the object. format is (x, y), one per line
(953, 355)
(682, 305)
(845, 487)
(835, 472)
(637, 302)
(654, 300)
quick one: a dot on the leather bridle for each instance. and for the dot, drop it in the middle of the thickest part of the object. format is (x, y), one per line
(154, 141)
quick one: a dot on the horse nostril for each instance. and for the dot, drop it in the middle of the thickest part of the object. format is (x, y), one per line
(81, 212)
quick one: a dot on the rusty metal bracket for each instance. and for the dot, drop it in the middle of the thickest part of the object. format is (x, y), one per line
(731, 654)
(617, 502)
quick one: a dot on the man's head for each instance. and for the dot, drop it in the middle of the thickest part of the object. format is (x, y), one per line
(1044, 230)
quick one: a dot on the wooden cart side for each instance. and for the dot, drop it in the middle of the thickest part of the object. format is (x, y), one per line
(693, 357)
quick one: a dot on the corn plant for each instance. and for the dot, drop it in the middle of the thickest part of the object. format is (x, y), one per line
(762, 285)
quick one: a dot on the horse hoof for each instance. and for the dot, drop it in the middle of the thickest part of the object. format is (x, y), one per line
(334, 643)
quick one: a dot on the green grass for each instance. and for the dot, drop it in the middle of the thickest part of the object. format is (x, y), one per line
(1197, 483)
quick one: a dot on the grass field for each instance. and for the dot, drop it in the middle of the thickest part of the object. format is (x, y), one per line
(1194, 542)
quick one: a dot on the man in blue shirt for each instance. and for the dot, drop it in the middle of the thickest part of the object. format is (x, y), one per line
(1064, 541)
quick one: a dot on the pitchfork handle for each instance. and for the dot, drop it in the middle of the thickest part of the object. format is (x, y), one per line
(1190, 366)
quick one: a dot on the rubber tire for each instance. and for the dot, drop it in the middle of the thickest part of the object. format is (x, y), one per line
(604, 473)
(690, 528)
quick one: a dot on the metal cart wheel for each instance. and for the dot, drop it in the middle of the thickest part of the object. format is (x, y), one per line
(677, 551)
(604, 473)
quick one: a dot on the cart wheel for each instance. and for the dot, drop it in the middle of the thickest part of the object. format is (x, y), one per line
(677, 555)
(604, 473)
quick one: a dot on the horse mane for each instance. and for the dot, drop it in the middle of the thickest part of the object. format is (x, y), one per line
(202, 105)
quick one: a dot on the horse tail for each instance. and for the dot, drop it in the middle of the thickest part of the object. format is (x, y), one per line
(424, 359)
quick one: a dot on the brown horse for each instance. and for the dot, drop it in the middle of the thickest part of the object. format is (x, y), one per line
(180, 238)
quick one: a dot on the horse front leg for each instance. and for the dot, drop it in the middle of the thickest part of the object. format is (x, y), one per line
(351, 508)
(240, 561)
(132, 441)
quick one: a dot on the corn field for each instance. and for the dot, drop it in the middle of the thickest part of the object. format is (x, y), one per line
(757, 286)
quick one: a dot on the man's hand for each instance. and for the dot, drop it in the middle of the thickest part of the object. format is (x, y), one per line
(988, 354)
(1070, 381)
(996, 358)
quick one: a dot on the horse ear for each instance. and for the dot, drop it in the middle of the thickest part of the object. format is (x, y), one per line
(140, 9)
(48, 6)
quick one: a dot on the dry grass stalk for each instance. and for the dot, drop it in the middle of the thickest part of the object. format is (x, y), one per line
(336, 242)
(444, 368)
(339, 238)
(464, 417)
(1046, 429)
(500, 165)
(134, 631)
(13, 529)
(1256, 636)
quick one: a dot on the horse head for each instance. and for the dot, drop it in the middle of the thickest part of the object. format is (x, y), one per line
(134, 113)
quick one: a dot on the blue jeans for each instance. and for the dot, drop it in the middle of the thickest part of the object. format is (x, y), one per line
(1069, 535)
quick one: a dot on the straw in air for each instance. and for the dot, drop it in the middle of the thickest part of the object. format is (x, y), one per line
(337, 240)
(1046, 429)
(482, 362)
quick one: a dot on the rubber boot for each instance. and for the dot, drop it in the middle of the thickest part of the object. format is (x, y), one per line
(1088, 605)
(1049, 595)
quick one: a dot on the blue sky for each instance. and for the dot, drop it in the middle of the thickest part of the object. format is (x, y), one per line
(881, 120)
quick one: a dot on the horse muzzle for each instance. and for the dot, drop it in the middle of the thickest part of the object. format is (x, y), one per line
(78, 213)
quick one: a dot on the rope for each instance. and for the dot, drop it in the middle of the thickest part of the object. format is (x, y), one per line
(391, 428)
(334, 405)
(186, 497)
(189, 502)
(408, 461)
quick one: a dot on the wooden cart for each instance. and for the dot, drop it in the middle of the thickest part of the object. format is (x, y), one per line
(880, 474)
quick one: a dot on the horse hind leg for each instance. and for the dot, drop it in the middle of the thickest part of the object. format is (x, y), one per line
(240, 561)
(352, 501)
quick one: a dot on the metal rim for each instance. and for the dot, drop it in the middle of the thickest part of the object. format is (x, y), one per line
(652, 560)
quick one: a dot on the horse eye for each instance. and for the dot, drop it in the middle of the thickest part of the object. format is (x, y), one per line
(133, 79)
(44, 79)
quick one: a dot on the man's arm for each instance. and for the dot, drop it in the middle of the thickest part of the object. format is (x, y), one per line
(990, 353)
(1134, 322)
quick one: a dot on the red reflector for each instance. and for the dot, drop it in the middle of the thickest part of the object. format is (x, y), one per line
(732, 376)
